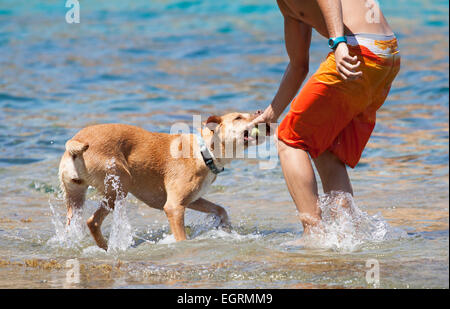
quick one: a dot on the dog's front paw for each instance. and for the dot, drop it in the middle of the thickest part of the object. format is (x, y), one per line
(225, 225)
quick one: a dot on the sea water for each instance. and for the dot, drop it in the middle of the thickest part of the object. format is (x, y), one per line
(156, 63)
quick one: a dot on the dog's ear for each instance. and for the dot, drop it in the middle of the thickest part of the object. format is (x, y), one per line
(213, 122)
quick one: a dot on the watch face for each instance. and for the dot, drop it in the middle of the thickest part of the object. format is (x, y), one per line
(331, 43)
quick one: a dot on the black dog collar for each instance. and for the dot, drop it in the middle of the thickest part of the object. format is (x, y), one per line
(208, 156)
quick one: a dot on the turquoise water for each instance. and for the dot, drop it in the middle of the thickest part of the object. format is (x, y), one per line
(151, 63)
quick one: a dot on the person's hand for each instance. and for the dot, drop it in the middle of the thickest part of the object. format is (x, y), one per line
(345, 64)
(268, 117)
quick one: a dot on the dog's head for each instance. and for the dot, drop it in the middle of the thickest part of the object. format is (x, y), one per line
(233, 132)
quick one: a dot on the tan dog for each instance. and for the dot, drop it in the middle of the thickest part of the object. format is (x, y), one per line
(118, 159)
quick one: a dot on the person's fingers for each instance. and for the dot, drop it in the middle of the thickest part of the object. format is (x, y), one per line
(344, 77)
(255, 121)
(351, 67)
(348, 74)
(350, 59)
(344, 71)
(356, 75)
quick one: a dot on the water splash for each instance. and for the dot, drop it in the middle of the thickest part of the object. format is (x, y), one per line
(345, 227)
(121, 235)
(198, 223)
(208, 234)
(167, 239)
(231, 236)
(68, 237)
(199, 226)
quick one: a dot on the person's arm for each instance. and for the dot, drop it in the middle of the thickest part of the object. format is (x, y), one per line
(297, 40)
(332, 13)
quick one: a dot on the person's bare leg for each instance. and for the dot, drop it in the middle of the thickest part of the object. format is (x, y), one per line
(301, 182)
(333, 173)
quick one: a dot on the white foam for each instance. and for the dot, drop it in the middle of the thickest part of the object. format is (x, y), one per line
(93, 251)
(207, 226)
(67, 236)
(167, 239)
(121, 235)
(345, 227)
(225, 235)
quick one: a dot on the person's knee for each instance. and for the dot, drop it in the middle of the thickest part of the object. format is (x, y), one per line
(328, 161)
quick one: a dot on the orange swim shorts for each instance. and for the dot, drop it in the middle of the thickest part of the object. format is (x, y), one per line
(332, 114)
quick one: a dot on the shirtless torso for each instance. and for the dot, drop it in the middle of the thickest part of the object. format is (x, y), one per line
(359, 16)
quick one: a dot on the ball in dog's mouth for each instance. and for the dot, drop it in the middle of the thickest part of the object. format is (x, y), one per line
(255, 134)
(251, 136)
(248, 137)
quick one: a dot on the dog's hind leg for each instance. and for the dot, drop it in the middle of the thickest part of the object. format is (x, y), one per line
(115, 189)
(95, 221)
(74, 195)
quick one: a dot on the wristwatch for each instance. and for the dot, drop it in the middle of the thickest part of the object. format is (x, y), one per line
(334, 42)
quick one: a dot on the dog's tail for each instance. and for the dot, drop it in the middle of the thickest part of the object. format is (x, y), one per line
(71, 171)
(71, 167)
(75, 148)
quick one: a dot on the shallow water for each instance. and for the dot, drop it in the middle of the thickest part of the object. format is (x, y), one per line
(151, 64)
